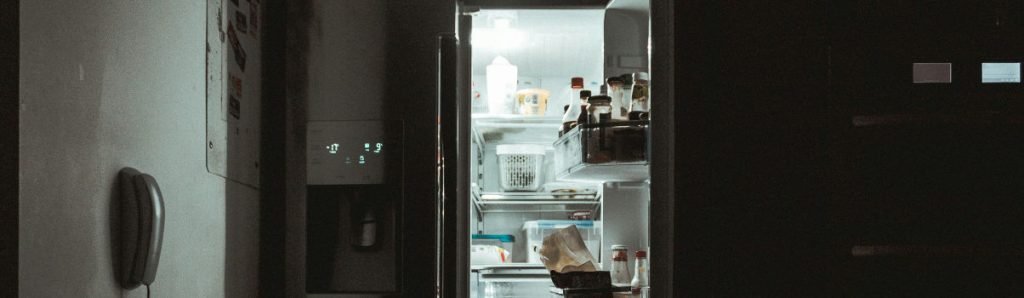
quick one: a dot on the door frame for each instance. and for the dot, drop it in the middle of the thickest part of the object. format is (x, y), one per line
(662, 169)
(663, 214)
(10, 106)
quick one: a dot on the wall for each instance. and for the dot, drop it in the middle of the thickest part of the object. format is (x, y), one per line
(775, 185)
(752, 123)
(106, 85)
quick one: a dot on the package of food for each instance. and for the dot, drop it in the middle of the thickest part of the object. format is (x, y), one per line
(564, 251)
(533, 102)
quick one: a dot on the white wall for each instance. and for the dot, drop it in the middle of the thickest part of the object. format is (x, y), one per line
(108, 84)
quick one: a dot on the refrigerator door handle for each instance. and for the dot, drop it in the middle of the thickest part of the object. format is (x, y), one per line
(447, 121)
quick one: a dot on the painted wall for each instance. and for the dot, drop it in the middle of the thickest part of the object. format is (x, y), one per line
(109, 84)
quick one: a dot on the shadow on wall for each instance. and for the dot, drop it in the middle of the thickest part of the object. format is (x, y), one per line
(241, 246)
(114, 215)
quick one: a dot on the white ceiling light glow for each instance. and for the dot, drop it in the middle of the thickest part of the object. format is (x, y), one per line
(501, 36)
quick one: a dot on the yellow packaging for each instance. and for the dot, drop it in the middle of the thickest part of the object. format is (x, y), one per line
(532, 102)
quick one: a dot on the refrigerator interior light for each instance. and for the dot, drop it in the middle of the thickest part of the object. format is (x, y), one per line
(501, 36)
(494, 38)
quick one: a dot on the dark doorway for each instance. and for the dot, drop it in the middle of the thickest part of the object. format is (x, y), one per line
(9, 148)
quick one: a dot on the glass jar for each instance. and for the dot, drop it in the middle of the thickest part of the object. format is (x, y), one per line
(615, 91)
(639, 107)
(620, 266)
(599, 108)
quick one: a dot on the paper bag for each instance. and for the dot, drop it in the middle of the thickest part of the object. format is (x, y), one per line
(564, 251)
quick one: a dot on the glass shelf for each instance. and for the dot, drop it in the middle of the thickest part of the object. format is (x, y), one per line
(518, 129)
(489, 202)
(607, 172)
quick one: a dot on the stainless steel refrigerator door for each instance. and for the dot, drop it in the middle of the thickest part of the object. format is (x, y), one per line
(453, 184)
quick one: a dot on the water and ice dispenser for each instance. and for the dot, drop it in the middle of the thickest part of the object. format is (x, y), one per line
(353, 171)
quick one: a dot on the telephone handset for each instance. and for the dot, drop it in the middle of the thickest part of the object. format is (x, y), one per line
(142, 227)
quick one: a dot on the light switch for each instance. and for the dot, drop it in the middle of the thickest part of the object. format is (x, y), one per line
(925, 73)
(1000, 72)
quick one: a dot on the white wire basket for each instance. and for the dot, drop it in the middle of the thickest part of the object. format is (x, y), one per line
(520, 166)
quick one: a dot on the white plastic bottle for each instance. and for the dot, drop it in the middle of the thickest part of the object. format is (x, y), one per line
(641, 279)
(572, 113)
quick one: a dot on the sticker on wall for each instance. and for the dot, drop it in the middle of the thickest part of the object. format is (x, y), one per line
(236, 85)
(237, 47)
(242, 22)
(235, 107)
(254, 19)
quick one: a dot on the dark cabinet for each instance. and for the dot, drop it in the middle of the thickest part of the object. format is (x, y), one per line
(809, 163)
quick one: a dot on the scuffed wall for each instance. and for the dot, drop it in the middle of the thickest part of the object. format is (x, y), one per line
(109, 84)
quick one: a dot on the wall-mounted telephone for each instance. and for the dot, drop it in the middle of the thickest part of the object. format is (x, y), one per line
(142, 227)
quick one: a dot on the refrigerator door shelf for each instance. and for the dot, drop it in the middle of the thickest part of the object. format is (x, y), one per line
(604, 152)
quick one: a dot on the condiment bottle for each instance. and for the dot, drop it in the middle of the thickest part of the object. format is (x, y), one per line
(615, 91)
(585, 107)
(640, 275)
(640, 108)
(572, 114)
(620, 266)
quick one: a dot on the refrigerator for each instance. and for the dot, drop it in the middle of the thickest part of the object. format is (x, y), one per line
(517, 178)
(439, 189)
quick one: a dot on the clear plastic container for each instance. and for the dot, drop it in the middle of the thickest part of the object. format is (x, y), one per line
(536, 230)
(501, 86)
(520, 166)
(500, 240)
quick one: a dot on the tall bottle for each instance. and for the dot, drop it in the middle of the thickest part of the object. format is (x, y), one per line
(584, 107)
(641, 280)
(639, 107)
(572, 114)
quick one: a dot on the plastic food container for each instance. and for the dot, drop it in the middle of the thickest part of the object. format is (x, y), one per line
(533, 102)
(536, 230)
(520, 166)
(500, 240)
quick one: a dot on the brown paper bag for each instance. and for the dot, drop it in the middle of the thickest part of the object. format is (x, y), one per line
(564, 251)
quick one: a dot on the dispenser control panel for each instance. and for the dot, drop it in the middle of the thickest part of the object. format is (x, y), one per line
(347, 152)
